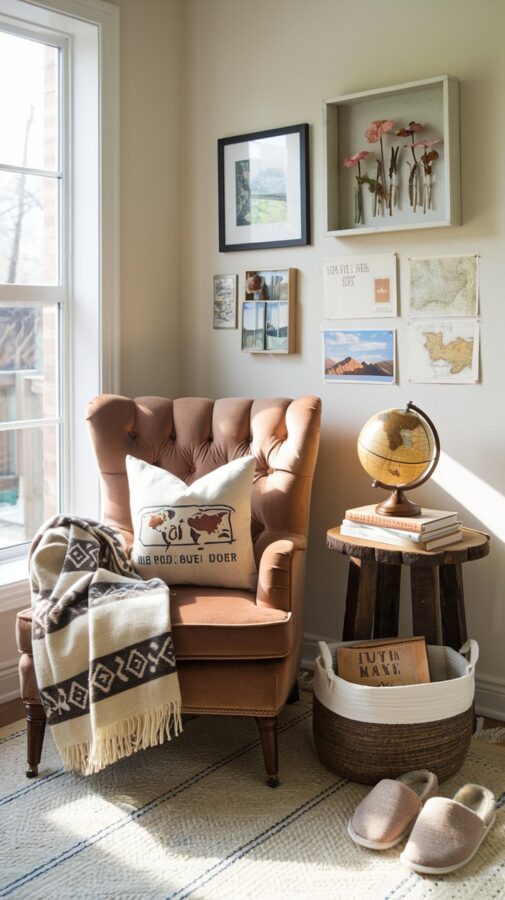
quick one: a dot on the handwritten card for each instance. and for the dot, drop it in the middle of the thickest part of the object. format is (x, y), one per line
(360, 287)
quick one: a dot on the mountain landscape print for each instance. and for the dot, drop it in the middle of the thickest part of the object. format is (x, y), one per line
(359, 356)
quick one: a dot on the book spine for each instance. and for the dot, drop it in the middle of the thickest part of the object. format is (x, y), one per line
(400, 524)
(444, 541)
(381, 521)
(371, 535)
(374, 531)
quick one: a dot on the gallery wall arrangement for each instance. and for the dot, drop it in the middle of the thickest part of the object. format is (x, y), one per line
(391, 162)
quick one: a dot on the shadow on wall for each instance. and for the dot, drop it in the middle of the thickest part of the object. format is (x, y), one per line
(482, 501)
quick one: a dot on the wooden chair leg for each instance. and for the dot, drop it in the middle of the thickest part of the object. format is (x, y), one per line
(294, 694)
(36, 726)
(267, 726)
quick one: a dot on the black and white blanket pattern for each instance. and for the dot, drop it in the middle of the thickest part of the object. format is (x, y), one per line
(102, 646)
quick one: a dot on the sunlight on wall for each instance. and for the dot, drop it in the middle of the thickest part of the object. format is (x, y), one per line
(476, 495)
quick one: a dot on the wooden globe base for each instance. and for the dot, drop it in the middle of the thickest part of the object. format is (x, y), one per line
(397, 504)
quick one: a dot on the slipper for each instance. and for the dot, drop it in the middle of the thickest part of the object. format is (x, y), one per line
(387, 814)
(448, 833)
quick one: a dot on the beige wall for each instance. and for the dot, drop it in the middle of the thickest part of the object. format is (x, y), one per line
(249, 66)
(149, 60)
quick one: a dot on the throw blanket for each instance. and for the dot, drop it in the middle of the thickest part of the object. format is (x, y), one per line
(102, 646)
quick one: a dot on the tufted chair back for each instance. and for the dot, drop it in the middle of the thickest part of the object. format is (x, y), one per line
(191, 436)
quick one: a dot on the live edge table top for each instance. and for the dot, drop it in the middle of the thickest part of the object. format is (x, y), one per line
(475, 545)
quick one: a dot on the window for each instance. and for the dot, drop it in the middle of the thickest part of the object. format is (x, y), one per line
(33, 233)
(58, 254)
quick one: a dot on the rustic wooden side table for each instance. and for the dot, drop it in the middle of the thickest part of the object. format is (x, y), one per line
(436, 580)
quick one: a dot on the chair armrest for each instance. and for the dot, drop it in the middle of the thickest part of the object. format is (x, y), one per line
(276, 572)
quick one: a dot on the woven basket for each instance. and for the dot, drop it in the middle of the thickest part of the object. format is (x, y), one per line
(367, 751)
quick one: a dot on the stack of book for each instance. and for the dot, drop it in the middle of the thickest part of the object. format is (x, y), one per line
(433, 529)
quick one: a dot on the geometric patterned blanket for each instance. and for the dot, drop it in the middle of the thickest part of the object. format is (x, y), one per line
(102, 646)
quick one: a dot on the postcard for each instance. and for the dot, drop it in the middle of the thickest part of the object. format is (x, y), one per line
(360, 287)
(359, 356)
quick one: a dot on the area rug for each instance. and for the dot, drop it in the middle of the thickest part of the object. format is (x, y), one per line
(194, 818)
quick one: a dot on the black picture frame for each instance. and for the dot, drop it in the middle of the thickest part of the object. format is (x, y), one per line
(277, 213)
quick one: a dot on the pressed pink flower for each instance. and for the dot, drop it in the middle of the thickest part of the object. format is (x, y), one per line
(426, 143)
(412, 128)
(350, 161)
(377, 128)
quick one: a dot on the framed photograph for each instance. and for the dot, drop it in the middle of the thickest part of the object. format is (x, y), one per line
(263, 183)
(268, 284)
(253, 326)
(359, 356)
(274, 290)
(224, 309)
(277, 326)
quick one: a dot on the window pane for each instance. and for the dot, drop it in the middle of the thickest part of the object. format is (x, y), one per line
(28, 229)
(28, 103)
(28, 362)
(28, 481)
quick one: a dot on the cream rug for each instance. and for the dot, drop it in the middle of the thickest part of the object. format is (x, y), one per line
(194, 819)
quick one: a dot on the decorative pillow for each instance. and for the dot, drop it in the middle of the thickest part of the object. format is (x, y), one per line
(196, 534)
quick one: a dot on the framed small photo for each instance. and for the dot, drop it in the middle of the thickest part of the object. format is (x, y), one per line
(276, 325)
(263, 183)
(269, 284)
(253, 326)
(224, 310)
(274, 290)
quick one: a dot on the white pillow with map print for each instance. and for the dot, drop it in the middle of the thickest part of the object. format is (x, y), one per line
(193, 534)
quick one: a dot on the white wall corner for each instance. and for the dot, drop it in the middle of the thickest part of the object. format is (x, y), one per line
(9, 680)
(489, 692)
(490, 697)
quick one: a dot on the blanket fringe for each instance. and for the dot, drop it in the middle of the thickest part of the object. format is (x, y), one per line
(490, 735)
(113, 742)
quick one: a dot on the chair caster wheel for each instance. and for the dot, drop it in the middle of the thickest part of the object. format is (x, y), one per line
(273, 781)
(32, 771)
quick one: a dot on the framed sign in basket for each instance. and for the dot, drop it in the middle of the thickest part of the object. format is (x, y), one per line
(263, 183)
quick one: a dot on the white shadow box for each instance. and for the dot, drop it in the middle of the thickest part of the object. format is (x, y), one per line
(428, 199)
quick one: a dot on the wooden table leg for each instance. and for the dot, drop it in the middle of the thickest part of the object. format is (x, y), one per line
(452, 602)
(360, 600)
(425, 588)
(387, 603)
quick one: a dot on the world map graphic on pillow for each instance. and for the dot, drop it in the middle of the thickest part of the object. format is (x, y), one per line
(193, 534)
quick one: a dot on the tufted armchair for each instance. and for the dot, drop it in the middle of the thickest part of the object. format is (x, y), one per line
(237, 652)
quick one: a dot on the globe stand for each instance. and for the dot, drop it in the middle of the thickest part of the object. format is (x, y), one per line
(397, 503)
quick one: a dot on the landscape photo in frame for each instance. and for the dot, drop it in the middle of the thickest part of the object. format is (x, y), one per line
(276, 325)
(253, 326)
(263, 187)
(361, 356)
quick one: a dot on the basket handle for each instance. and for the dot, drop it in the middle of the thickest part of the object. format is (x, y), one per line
(326, 660)
(471, 650)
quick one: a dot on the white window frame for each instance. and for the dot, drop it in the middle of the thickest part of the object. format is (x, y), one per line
(88, 31)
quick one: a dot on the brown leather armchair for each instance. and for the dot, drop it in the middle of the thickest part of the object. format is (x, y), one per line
(237, 652)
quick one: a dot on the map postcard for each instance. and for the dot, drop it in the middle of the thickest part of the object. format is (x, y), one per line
(360, 287)
(359, 356)
(444, 285)
(444, 351)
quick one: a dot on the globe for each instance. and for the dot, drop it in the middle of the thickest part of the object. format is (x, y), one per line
(399, 448)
